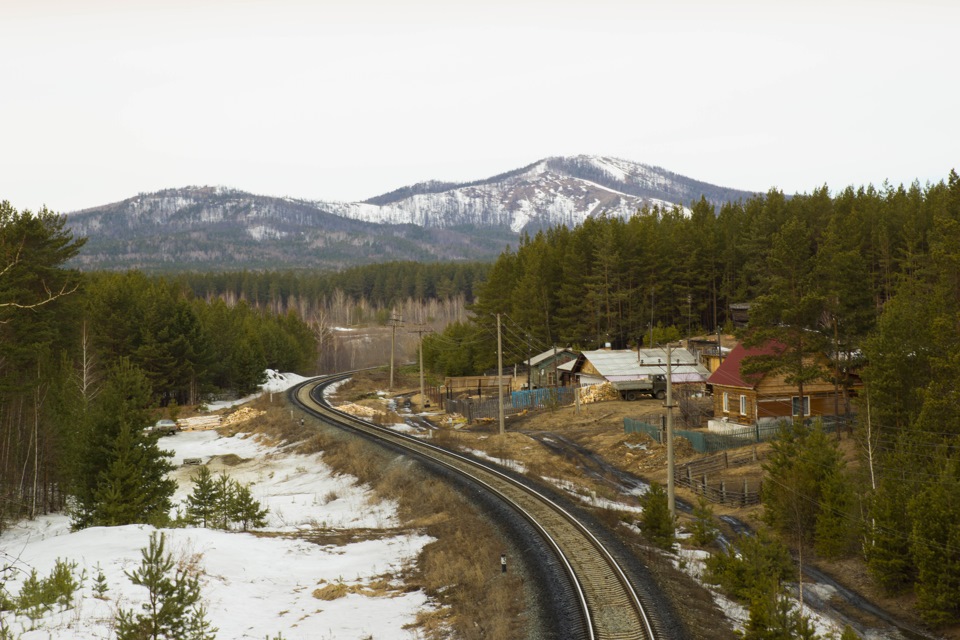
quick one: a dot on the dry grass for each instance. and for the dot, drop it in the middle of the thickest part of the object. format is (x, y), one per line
(379, 587)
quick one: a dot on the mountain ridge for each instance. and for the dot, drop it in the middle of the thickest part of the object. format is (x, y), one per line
(207, 228)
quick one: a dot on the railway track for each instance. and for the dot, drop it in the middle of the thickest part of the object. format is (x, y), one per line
(610, 608)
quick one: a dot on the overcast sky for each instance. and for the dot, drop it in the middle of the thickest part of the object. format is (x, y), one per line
(103, 99)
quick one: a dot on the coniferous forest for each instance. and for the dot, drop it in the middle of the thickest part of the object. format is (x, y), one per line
(87, 360)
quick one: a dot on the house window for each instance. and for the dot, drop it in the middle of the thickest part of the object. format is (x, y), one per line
(743, 405)
(795, 405)
(551, 379)
(726, 402)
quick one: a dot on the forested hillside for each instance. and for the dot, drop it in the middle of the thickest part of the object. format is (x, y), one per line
(872, 274)
(87, 361)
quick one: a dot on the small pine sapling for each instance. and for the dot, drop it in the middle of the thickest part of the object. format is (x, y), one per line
(656, 523)
(244, 509)
(173, 600)
(702, 529)
(100, 586)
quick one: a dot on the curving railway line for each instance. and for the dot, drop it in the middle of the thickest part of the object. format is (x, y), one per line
(609, 605)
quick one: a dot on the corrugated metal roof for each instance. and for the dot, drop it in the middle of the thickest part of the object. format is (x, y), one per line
(546, 355)
(624, 364)
(677, 356)
(728, 373)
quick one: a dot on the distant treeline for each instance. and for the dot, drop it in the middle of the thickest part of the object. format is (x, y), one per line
(379, 285)
(609, 280)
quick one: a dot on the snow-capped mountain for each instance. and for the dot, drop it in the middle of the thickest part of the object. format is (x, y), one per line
(218, 228)
(550, 192)
(205, 228)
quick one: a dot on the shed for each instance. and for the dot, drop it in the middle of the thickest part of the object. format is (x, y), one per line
(542, 370)
(621, 365)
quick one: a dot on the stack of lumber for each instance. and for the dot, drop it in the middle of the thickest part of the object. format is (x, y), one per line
(241, 415)
(358, 410)
(599, 393)
(199, 423)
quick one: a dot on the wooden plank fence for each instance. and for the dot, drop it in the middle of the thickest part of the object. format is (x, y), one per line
(479, 409)
(704, 478)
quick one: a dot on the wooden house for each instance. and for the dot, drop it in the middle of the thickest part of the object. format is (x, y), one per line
(743, 399)
(542, 370)
(710, 350)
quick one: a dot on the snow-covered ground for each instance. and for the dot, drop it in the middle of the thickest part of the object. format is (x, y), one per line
(253, 586)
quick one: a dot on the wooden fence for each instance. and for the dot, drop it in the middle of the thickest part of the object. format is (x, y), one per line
(705, 478)
(479, 409)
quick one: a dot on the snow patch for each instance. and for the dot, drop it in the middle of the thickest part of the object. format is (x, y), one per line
(253, 586)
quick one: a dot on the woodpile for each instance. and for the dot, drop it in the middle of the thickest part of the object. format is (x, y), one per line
(199, 423)
(241, 415)
(452, 420)
(599, 393)
(358, 410)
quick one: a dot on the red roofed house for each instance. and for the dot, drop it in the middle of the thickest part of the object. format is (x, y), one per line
(749, 399)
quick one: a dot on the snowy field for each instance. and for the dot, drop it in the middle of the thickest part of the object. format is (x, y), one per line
(253, 587)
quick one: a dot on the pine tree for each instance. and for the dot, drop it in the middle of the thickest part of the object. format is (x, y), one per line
(656, 523)
(198, 626)
(836, 528)
(118, 499)
(803, 464)
(849, 634)
(202, 501)
(100, 586)
(788, 312)
(244, 509)
(173, 610)
(888, 530)
(935, 547)
(223, 494)
(703, 530)
(755, 567)
(123, 478)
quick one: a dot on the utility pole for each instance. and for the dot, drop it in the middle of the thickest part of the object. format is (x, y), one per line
(671, 496)
(651, 317)
(499, 375)
(529, 366)
(422, 394)
(556, 374)
(420, 332)
(394, 321)
(719, 348)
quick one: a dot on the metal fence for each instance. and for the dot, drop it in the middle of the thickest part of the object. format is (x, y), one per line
(536, 399)
(710, 442)
(547, 398)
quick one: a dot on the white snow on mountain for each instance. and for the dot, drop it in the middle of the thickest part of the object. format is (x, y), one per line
(551, 192)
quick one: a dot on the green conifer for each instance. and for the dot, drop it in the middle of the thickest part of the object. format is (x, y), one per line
(202, 501)
(173, 603)
(244, 509)
(703, 530)
(656, 523)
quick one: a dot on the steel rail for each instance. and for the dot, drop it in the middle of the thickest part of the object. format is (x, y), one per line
(610, 606)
